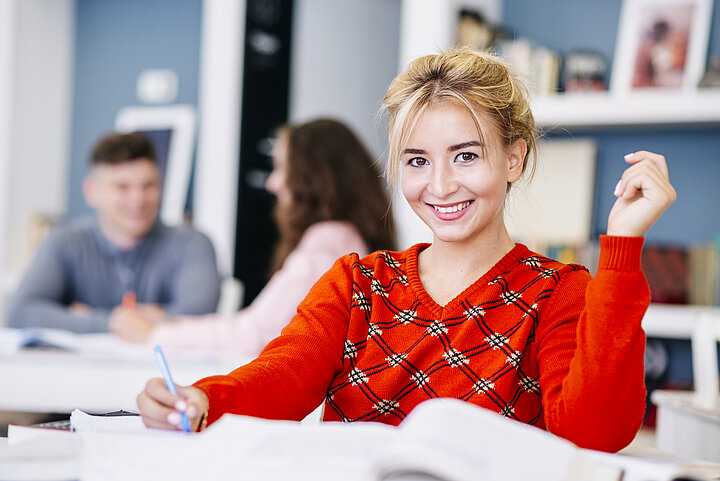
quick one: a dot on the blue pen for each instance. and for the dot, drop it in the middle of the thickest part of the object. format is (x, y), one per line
(170, 384)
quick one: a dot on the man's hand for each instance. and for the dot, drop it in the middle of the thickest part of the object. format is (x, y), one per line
(136, 324)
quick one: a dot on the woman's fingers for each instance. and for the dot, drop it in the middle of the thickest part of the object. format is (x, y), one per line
(643, 193)
(645, 178)
(156, 403)
(161, 409)
(643, 162)
(656, 159)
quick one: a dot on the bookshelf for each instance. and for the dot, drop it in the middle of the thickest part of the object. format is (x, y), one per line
(605, 109)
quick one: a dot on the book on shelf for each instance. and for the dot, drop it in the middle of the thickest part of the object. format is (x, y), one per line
(538, 65)
(583, 71)
(667, 271)
(442, 439)
(676, 274)
(704, 283)
(587, 254)
(682, 274)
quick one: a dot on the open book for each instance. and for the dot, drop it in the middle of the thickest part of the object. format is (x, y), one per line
(441, 439)
(12, 340)
(453, 440)
(99, 345)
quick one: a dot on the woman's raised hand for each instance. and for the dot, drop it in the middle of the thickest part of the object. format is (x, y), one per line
(643, 193)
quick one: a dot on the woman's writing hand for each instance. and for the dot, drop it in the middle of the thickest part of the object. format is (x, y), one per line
(161, 409)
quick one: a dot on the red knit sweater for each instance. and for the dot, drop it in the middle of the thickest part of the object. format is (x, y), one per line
(532, 339)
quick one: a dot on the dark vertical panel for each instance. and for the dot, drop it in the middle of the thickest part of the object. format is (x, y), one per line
(266, 81)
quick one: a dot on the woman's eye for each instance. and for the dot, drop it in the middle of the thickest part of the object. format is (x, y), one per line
(466, 157)
(417, 162)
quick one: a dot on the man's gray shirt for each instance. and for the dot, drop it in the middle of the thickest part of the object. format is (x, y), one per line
(174, 267)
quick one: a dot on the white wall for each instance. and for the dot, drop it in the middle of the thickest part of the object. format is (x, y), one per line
(7, 33)
(36, 48)
(344, 55)
(219, 98)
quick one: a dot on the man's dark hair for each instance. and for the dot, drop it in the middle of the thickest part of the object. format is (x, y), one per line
(119, 148)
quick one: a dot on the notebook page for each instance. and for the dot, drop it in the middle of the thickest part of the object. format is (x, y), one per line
(84, 422)
(239, 447)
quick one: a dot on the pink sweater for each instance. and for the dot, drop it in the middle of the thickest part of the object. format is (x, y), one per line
(250, 329)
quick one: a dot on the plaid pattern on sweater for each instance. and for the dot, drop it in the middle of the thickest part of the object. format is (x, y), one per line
(402, 349)
(509, 342)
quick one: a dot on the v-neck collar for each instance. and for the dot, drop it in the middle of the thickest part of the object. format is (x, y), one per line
(439, 311)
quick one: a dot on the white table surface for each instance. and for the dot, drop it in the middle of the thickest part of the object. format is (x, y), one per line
(41, 380)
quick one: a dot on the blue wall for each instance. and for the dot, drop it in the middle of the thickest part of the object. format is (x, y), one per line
(115, 41)
(693, 153)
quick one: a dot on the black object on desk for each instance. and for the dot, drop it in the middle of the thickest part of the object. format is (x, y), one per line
(64, 424)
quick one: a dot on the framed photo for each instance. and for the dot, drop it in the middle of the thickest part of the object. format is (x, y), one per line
(661, 45)
(584, 71)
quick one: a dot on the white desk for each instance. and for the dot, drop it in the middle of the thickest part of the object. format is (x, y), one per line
(57, 381)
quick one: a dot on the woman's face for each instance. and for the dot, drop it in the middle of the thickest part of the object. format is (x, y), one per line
(276, 182)
(452, 183)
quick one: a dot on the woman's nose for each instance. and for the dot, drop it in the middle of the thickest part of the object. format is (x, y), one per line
(271, 183)
(443, 182)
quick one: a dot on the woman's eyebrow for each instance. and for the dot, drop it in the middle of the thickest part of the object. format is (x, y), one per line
(452, 148)
(414, 151)
(472, 143)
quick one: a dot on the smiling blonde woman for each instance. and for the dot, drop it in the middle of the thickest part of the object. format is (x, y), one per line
(473, 315)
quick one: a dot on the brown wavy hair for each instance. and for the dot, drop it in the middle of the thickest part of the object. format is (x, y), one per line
(331, 176)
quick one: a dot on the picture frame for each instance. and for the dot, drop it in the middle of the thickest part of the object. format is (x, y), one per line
(583, 71)
(172, 131)
(661, 45)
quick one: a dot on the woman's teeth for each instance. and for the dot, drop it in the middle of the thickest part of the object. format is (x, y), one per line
(452, 208)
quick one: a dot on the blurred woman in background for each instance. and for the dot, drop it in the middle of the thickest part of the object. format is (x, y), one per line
(331, 201)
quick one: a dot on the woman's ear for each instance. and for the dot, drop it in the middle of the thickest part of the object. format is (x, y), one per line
(516, 159)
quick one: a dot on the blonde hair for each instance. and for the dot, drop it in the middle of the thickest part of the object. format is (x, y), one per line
(479, 81)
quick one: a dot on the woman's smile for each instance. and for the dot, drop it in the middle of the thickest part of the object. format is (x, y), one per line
(451, 211)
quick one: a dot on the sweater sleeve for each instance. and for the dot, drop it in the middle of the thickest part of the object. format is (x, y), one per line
(291, 376)
(590, 353)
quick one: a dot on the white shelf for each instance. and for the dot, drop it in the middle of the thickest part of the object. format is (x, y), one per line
(675, 321)
(604, 109)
